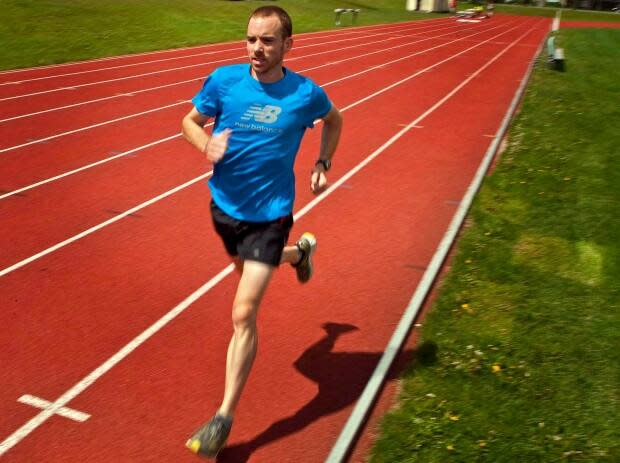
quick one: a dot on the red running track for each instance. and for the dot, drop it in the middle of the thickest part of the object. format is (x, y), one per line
(92, 259)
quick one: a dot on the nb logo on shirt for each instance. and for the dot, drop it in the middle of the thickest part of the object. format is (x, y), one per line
(267, 114)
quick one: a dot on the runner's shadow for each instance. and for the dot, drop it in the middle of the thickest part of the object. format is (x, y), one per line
(341, 378)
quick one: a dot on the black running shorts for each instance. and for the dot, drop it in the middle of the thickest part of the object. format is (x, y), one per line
(261, 242)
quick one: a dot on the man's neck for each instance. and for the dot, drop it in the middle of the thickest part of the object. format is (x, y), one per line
(270, 77)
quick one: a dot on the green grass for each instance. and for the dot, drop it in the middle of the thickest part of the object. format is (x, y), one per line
(576, 15)
(54, 31)
(527, 321)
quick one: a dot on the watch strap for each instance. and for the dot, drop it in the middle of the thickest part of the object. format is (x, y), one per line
(326, 163)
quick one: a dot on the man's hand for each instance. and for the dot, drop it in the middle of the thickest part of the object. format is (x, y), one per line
(217, 145)
(332, 125)
(318, 180)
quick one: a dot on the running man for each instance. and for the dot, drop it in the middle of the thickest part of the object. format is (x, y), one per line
(261, 112)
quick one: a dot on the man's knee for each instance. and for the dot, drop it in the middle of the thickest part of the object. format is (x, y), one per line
(244, 314)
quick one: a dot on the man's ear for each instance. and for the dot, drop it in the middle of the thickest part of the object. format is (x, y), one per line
(288, 44)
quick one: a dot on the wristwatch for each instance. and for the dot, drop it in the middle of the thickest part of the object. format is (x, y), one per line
(326, 163)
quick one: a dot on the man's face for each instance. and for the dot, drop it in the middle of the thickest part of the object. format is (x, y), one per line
(266, 47)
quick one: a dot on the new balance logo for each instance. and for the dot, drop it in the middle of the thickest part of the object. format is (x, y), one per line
(267, 114)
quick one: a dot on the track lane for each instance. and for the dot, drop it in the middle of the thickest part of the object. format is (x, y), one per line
(172, 84)
(117, 191)
(71, 82)
(21, 75)
(46, 123)
(382, 39)
(34, 157)
(16, 111)
(353, 253)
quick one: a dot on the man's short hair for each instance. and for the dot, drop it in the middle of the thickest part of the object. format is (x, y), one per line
(272, 10)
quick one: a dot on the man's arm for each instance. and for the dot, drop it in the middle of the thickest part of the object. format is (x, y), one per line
(193, 131)
(330, 134)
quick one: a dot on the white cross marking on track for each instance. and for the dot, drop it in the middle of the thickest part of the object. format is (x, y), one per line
(43, 404)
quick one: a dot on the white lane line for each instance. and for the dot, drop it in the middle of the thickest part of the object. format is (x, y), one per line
(91, 230)
(239, 47)
(178, 68)
(357, 417)
(67, 412)
(11, 193)
(330, 32)
(100, 124)
(87, 381)
(39, 140)
(110, 97)
(89, 166)
(76, 390)
(434, 37)
(426, 69)
(95, 228)
(201, 76)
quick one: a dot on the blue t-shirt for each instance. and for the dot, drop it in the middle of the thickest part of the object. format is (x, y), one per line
(254, 181)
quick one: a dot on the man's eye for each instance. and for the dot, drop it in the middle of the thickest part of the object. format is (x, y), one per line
(251, 39)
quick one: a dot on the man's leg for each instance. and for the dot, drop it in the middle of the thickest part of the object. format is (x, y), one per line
(242, 348)
(290, 255)
(300, 256)
(255, 277)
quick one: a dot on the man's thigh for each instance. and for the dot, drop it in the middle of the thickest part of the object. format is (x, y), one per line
(254, 280)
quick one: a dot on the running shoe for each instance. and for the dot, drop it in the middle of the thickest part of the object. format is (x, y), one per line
(306, 245)
(211, 437)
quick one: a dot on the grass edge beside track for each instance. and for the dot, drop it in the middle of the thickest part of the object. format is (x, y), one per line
(525, 321)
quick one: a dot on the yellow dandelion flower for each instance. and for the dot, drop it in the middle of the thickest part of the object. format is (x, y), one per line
(450, 447)
(454, 417)
(496, 368)
(482, 444)
(467, 308)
